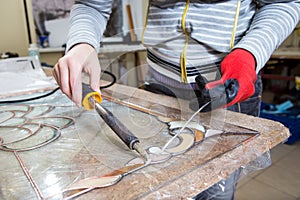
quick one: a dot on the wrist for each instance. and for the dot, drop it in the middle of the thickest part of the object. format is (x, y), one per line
(81, 49)
(238, 63)
(83, 46)
(245, 56)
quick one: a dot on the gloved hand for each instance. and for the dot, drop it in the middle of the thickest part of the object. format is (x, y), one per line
(235, 85)
(67, 72)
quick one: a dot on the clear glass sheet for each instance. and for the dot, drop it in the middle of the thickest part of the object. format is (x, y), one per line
(14, 134)
(90, 148)
(23, 75)
(6, 115)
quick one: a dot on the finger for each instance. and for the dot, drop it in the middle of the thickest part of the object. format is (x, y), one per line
(56, 75)
(77, 92)
(95, 79)
(63, 71)
(75, 82)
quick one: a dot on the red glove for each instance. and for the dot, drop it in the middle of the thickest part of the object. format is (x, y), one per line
(238, 65)
(235, 85)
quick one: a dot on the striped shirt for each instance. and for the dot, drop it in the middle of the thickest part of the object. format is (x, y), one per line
(201, 29)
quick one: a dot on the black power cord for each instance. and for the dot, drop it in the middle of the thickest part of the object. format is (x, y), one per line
(53, 91)
(29, 99)
(112, 82)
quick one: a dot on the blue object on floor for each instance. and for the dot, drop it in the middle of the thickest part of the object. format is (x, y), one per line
(278, 109)
(288, 115)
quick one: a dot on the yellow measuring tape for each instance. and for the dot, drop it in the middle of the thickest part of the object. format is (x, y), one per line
(183, 25)
(183, 53)
(237, 13)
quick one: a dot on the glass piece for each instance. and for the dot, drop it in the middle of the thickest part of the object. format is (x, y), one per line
(125, 170)
(186, 143)
(175, 131)
(19, 113)
(193, 125)
(137, 160)
(19, 110)
(43, 136)
(95, 182)
(6, 115)
(218, 144)
(198, 135)
(13, 134)
(24, 108)
(157, 156)
(102, 181)
(211, 132)
(16, 121)
(39, 110)
(165, 119)
(89, 184)
(71, 111)
(60, 122)
(34, 127)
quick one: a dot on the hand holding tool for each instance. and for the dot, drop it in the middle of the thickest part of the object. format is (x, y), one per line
(235, 85)
(91, 100)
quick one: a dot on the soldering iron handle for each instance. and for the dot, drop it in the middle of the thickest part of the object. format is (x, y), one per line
(91, 99)
(117, 126)
(86, 90)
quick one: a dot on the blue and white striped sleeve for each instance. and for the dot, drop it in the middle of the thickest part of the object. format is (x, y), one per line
(88, 21)
(271, 25)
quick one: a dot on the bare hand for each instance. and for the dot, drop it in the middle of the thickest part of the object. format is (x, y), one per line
(68, 70)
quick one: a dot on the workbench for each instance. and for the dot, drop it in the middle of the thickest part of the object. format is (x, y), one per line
(186, 179)
(68, 158)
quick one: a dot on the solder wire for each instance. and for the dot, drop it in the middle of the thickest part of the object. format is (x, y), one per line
(184, 126)
(237, 13)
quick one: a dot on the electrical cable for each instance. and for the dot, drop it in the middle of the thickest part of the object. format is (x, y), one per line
(30, 99)
(112, 82)
(53, 91)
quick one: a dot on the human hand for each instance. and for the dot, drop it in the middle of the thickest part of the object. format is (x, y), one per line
(67, 71)
(235, 85)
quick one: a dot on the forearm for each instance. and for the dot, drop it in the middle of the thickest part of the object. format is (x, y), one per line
(88, 21)
(271, 25)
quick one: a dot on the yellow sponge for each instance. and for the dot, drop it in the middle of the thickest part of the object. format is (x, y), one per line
(95, 95)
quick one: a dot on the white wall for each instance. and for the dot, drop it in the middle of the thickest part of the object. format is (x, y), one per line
(13, 32)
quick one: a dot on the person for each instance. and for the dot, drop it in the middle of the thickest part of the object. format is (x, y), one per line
(218, 42)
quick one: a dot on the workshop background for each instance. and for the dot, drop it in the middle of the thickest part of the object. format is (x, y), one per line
(44, 23)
